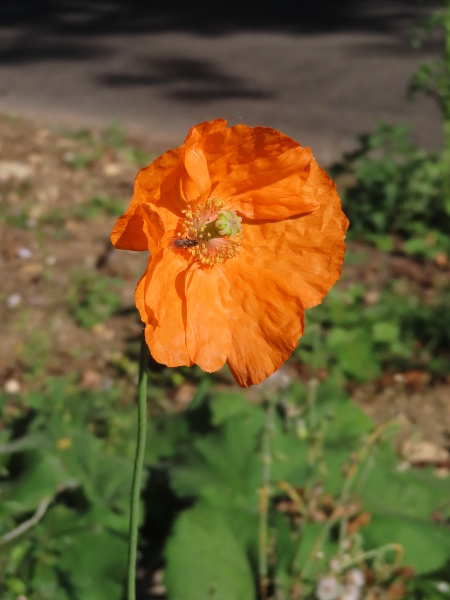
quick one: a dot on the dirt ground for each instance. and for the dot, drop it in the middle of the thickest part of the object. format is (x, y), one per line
(52, 244)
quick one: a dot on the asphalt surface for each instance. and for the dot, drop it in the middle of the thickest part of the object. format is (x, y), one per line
(320, 74)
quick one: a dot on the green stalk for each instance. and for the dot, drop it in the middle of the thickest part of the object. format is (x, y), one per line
(264, 501)
(137, 472)
(446, 107)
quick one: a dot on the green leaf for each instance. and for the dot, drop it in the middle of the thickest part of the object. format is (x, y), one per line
(228, 404)
(310, 542)
(95, 561)
(413, 493)
(426, 545)
(223, 464)
(206, 560)
(343, 421)
(164, 435)
(354, 352)
(43, 477)
(386, 332)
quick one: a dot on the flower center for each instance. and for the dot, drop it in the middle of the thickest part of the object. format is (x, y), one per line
(216, 230)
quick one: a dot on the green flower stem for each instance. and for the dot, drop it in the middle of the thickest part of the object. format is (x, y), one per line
(137, 472)
(446, 105)
(264, 501)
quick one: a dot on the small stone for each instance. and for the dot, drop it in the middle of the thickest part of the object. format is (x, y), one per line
(441, 260)
(372, 297)
(111, 170)
(90, 380)
(422, 452)
(14, 300)
(14, 170)
(50, 261)
(31, 272)
(12, 386)
(103, 331)
(23, 253)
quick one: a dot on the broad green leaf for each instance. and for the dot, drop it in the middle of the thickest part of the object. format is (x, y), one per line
(43, 477)
(223, 465)
(206, 559)
(413, 493)
(426, 545)
(345, 422)
(164, 436)
(228, 404)
(94, 560)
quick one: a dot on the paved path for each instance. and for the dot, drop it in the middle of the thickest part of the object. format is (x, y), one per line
(321, 80)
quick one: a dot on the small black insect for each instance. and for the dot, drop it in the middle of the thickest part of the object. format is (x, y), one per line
(182, 243)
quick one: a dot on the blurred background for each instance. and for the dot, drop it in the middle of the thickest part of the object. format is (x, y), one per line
(349, 441)
(320, 73)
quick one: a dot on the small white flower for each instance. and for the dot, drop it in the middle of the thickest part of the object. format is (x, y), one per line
(355, 577)
(328, 588)
(443, 587)
(350, 592)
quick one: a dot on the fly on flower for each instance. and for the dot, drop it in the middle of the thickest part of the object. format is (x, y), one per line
(263, 233)
(182, 243)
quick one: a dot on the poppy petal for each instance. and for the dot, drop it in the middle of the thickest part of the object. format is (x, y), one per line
(165, 308)
(208, 337)
(202, 130)
(128, 231)
(308, 250)
(259, 172)
(266, 320)
(187, 184)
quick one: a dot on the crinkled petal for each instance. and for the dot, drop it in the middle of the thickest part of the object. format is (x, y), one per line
(165, 308)
(259, 172)
(128, 231)
(140, 228)
(208, 336)
(187, 184)
(202, 130)
(308, 250)
(266, 320)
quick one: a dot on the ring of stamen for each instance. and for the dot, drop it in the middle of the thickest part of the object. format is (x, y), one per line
(217, 230)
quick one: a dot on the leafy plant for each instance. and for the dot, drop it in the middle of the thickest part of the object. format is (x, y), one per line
(295, 479)
(324, 507)
(359, 340)
(433, 79)
(69, 493)
(396, 188)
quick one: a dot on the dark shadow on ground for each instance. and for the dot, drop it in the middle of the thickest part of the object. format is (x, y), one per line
(102, 17)
(190, 80)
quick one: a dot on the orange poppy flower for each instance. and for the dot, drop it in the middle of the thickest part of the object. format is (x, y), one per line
(245, 232)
